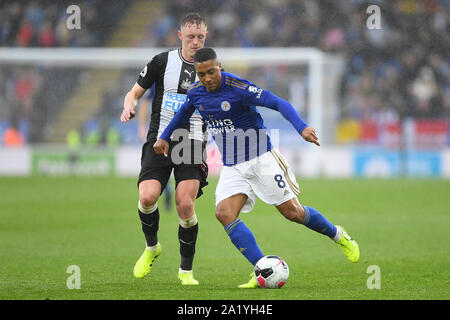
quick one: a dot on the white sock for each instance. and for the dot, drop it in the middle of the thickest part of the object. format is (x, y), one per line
(338, 234)
(184, 271)
(147, 210)
(189, 222)
(153, 248)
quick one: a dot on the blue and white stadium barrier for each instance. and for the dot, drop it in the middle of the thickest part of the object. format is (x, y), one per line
(327, 162)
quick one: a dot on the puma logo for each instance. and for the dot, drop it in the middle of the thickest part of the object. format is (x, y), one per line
(189, 73)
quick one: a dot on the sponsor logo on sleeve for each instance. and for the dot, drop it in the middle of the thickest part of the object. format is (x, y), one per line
(143, 72)
(256, 90)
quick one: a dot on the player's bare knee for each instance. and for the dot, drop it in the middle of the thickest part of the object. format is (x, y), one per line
(185, 207)
(220, 213)
(147, 200)
(223, 215)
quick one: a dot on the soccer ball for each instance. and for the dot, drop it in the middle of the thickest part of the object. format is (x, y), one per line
(271, 272)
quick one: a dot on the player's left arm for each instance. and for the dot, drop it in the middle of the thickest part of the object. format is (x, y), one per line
(182, 116)
(265, 98)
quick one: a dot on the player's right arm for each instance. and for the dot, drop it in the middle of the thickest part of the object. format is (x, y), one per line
(131, 101)
(145, 81)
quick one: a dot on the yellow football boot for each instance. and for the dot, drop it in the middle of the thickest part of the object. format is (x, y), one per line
(187, 278)
(145, 262)
(251, 284)
(348, 246)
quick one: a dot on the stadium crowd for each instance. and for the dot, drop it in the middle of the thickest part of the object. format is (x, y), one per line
(42, 23)
(25, 105)
(401, 70)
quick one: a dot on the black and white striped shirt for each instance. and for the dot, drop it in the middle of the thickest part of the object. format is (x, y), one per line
(172, 76)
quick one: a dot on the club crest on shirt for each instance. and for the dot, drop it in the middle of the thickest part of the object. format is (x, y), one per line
(186, 84)
(225, 105)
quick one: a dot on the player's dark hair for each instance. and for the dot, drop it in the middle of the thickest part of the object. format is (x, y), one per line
(192, 18)
(205, 54)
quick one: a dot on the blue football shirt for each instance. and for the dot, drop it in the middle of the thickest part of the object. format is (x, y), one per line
(232, 117)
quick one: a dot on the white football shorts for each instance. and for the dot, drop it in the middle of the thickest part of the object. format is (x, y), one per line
(267, 177)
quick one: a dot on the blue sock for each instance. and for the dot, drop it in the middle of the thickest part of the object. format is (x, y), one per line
(244, 240)
(317, 222)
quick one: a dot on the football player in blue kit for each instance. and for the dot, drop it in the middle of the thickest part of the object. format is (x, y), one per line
(252, 166)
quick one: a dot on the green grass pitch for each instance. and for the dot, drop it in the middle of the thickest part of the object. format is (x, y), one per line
(49, 224)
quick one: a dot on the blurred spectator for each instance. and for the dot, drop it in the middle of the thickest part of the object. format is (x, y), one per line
(73, 140)
(446, 102)
(25, 34)
(333, 39)
(46, 36)
(13, 137)
(25, 87)
(423, 90)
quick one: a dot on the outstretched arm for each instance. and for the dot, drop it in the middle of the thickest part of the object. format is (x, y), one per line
(271, 101)
(310, 135)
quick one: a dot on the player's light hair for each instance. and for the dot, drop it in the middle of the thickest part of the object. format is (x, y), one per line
(192, 18)
(204, 54)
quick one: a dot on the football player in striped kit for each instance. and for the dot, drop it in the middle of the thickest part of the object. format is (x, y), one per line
(172, 74)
